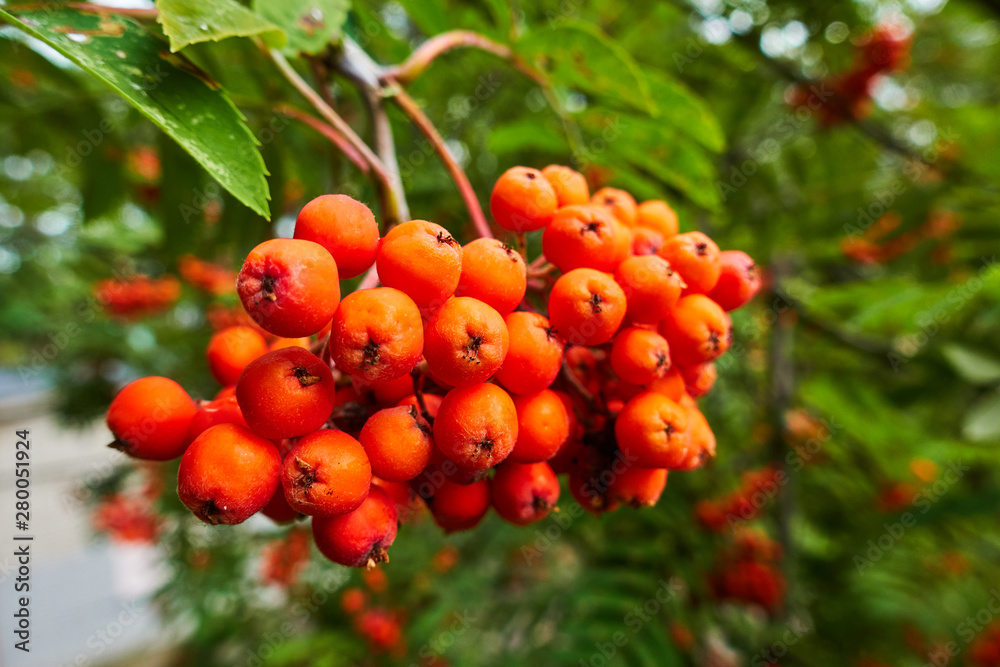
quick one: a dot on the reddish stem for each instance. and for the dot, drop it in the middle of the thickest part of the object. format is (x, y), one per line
(327, 131)
(424, 124)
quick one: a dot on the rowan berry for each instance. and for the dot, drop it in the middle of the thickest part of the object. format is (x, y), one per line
(638, 487)
(699, 379)
(651, 430)
(280, 343)
(523, 200)
(585, 237)
(589, 478)
(402, 497)
(465, 341)
(326, 473)
(542, 426)
(289, 287)
(286, 393)
(697, 329)
(277, 508)
(696, 258)
(534, 355)
(476, 426)
(230, 350)
(430, 401)
(646, 241)
(228, 474)
(441, 469)
(586, 306)
(739, 280)
(149, 419)
(359, 538)
(494, 273)
(569, 185)
(345, 227)
(422, 260)
(218, 411)
(670, 385)
(639, 356)
(701, 440)
(398, 443)
(377, 334)
(651, 287)
(458, 507)
(618, 202)
(524, 493)
(657, 215)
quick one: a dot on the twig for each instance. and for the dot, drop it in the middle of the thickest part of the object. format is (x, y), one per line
(357, 66)
(427, 52)
(329, 132)
(574, 382)
(424, 124)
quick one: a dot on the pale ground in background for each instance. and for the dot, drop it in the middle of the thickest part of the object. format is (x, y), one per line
(81, 586)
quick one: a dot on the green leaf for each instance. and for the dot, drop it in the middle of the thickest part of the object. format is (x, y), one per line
(579, 55)
(525, 135)
(973, 366)
(310, 25)
(982, 421)
(167, 88)
(684, 110)
(191, 21)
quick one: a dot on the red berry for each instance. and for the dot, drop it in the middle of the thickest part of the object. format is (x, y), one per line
(359, 538)
(739, 280)
(326, 473)
(524, 493)
(345, 227)
(150, 418)
(459, 506)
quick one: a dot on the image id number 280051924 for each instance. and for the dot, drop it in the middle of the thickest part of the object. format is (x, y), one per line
(22, 540)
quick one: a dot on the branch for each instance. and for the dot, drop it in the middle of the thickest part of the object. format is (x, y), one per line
(385, 179)
(424, 124)
(357, 66)
(327, 131)
(427, 52)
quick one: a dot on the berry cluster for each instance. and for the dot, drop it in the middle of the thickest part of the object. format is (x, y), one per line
(138, 296)
(469, 379)
(748, 572)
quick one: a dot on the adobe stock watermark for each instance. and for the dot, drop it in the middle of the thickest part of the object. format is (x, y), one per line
(101, 640)
(634, 621)
(460, 623)
(894, 532)
(795, 630)
(967, 630)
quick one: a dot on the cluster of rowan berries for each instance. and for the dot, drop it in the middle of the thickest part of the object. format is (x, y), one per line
(756, 489)
(848, 95)
(447, 384)
(748, 572)
(137, 296)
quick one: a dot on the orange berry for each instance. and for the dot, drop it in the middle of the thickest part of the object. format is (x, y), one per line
(534, 356)
(494, 273)
(421, 259)
(228, 474)
(359, 538)
(523, 200)
(570, 186)
(431, 401)
(230, 350)
(646, 241)
(586, 307)
(326, 473)
(670, 385)
(697, 329)
(286, 393)
(585, 237)
(620, 203)
(699, 379)
(696, 258)
(289, 287)
(657, 215)
(281, 343)
(542, 426)
(476, 426)
(638, 487)
(701, 440)
(465, 341)
(651, 287)
(345, 227)
(524, 493)
(219, 411)
(398, 443)
(458, 507)
(639, 356)
(150, 417)
(651, 430)
(739, 280)
(377, 334)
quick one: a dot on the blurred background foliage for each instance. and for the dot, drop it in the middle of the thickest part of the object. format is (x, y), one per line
(862, 388)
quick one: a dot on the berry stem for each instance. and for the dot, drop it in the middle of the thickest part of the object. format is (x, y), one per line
(424, 124)
(577, 386)
(418, 382)
(428, 52)
(328, 131)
